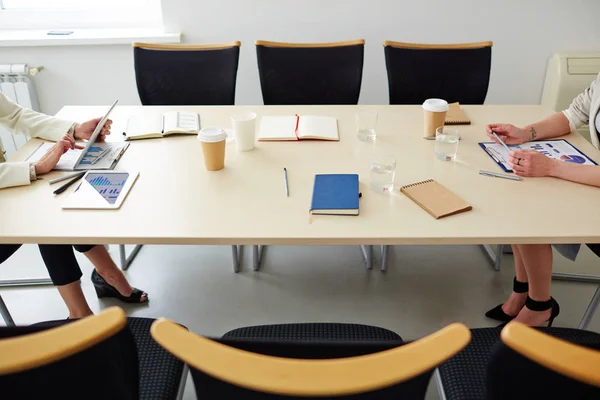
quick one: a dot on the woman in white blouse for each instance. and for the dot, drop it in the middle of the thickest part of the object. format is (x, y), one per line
(60, 260)
(530, 302)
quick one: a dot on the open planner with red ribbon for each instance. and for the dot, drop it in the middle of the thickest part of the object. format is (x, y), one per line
(298, 127)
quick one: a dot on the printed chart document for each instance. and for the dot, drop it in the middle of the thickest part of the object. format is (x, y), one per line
(557, 149)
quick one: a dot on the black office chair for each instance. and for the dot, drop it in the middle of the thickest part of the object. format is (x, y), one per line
(101, 357)
(453, 72)
(313, 74)
(528, 364)
(310, 361)
(186, 74)
(310, 73)
(467, 375)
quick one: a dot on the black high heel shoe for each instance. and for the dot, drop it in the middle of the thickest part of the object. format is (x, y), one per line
(497, 313)
(104, 289)
(543, 306)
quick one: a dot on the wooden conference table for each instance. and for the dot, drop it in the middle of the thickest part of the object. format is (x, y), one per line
(176, 201)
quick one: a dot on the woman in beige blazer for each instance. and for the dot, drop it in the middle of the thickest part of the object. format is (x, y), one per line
(60, 260)
(530, 301)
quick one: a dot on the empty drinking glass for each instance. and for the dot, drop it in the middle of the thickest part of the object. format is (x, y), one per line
(366, 122)
(446, 143)
(382, 173)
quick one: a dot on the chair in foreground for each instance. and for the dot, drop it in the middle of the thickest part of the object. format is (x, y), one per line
(257, 369)
(100, 357)
(453, 72)
(532, 365)
(469, 374)
(185, 74)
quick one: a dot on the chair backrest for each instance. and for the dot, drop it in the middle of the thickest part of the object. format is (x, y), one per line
(529, 364)
(310, 73)
(186, 74)
(266, 370)
(453, 72)
(93, 358)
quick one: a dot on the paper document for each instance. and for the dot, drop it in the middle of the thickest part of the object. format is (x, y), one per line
(557, 149)
(68, 160)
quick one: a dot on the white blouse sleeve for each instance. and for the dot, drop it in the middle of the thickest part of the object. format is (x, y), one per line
(578, 112)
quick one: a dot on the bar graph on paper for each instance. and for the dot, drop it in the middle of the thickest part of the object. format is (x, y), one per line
(108, 185)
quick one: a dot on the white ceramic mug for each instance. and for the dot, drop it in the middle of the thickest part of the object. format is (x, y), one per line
(244, 130)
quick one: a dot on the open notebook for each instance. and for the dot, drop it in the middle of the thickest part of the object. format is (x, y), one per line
(161, 125)
(298, 127)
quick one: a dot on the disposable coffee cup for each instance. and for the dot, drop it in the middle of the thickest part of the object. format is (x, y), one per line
(213, 146)
(434, 112)
(244, 131)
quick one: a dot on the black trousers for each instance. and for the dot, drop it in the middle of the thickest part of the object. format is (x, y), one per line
(59, 259)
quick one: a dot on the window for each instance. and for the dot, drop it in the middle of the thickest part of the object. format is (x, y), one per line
(78, 14)
(66, 4)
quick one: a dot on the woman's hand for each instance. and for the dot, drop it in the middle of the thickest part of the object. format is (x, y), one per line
(531, 163)
(50, 159)
(85, 129)
(509, 134)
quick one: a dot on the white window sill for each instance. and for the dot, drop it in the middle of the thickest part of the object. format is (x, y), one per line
(80, 37)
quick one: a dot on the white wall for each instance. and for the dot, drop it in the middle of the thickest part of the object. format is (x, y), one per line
(525, 34)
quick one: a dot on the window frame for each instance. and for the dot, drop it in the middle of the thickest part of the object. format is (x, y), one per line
(61, 19)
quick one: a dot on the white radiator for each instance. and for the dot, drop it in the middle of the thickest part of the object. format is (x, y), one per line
(16, 84)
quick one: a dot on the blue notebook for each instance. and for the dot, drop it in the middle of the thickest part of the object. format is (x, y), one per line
(335, 194)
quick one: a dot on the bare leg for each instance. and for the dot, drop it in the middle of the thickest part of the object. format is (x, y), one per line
(75, 300)
(516, 301)
(537, 259)
(108, 270)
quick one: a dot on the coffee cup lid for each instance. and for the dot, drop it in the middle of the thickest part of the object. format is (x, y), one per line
(212, 135)
(435, 105)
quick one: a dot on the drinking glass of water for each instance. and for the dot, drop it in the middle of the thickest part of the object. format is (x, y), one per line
(446, 143)
(382, 173)
(366, 122)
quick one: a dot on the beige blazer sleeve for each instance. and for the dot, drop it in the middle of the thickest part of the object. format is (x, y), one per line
(28, 122)
(580, 109)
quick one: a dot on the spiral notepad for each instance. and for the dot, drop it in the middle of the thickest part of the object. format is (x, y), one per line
(435, 198)
(456, 115)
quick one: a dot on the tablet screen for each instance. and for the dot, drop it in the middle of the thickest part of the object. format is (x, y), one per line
(108, 185)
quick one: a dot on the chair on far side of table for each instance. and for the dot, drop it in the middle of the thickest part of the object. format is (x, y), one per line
(453, 72)
(283, 363)
(105, 356)
(310, 73)
(313, 74)
(185, 74)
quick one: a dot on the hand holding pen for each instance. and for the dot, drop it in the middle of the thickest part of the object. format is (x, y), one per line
(508, 134)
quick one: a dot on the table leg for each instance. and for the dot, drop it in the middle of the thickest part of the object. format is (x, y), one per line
(125, 259)
(257, 254)
(583, 278)
(384, 257)
(25, 282)
(5, 314)
(494, 256)
(236, 251)
(367, 253)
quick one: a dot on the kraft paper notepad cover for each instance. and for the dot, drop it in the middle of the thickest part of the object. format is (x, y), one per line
(435, 198)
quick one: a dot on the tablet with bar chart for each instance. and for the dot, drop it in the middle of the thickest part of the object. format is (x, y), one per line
(558, 149)
(101, 189)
